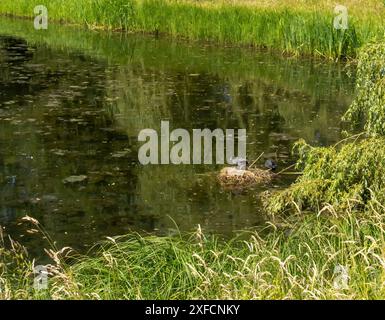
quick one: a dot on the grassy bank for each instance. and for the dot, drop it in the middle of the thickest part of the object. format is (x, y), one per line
(174, 57)
(290, 26)
(296, 260)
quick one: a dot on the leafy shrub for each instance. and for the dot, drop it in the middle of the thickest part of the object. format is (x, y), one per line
(369, 104)
(346, 177)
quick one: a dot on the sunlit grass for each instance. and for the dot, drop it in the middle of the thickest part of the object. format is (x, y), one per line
(295, 27)
(292, 259)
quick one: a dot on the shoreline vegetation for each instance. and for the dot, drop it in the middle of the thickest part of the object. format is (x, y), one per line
(293, 27)
(326, 242)
(296, 258)
(326, 237)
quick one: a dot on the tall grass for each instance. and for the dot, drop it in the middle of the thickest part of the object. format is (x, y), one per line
(295, 259)
(299, 29)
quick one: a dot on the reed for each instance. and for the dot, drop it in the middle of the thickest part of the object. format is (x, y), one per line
(296, 29)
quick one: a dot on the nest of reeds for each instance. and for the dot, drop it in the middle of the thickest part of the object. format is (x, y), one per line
(234, 178)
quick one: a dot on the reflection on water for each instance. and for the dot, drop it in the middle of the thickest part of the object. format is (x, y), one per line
(75, 107)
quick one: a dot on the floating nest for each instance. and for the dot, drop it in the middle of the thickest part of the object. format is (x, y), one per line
(233, 178)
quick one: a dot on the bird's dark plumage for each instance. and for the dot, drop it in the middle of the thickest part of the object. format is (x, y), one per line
(271, 164)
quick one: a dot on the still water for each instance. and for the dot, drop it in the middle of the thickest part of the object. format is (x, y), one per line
(72, 102)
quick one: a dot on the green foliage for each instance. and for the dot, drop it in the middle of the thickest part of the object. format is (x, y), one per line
(346, 176)
(369, 104)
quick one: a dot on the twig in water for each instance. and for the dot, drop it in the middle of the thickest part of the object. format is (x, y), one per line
(351, 137)
(283, 170)
(254, 162)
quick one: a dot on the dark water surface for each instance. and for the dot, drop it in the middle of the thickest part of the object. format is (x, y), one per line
(72, 102)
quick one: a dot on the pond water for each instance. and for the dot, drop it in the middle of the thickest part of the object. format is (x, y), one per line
(72, 102)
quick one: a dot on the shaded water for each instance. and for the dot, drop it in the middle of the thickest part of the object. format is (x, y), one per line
(72, 102)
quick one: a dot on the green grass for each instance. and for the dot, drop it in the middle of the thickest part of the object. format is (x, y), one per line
(174, 57)
(297, 29)
(293, 259)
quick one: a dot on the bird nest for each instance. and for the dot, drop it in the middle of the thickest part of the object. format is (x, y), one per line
(233, 178)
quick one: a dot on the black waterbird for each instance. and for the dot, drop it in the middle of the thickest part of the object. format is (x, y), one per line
(271, 164)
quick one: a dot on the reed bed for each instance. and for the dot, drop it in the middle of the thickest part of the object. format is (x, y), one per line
(295, 28)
